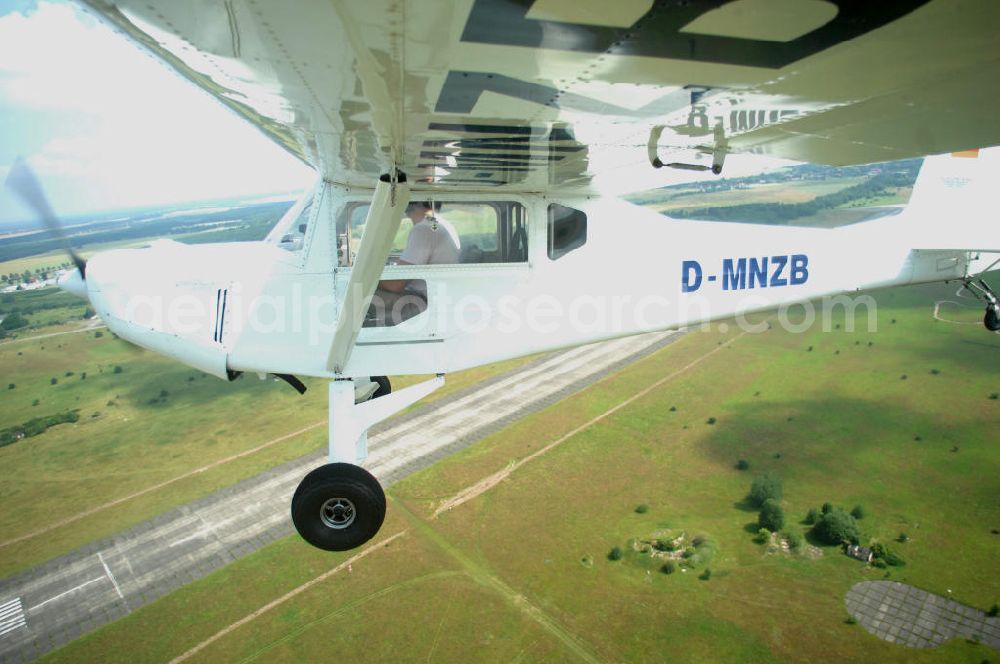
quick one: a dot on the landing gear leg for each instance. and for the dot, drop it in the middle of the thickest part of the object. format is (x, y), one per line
(983, 291)
(341, 505)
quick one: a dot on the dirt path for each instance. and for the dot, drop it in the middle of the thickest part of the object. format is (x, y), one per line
(284, 598)
(89, 327)
(491, 481)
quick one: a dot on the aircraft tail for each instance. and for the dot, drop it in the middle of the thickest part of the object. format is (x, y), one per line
(954, 205)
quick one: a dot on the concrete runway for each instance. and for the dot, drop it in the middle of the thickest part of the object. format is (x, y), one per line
(63, 599)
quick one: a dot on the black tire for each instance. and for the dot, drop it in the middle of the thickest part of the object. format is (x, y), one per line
(384, 386)
(338, 507)
(991, 320)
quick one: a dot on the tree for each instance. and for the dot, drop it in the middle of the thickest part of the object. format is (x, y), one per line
(765, 487)
(835, 527)
(812, 516)
(827, 508)
(14, 321)
(771, 516)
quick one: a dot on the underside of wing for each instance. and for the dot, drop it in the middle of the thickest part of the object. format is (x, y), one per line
(534, 95)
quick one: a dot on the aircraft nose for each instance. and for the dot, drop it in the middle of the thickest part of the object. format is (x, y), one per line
(72, 281)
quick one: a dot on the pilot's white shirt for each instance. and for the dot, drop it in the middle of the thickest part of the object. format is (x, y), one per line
(431, 241)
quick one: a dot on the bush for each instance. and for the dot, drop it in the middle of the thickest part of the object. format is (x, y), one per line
(765, 487)
(827, 508)
(881, 552)
(995, 396)
(663, 545)
(994, 610)
(879, 563)
(812, 516)
(669, 567)
(117, 369)
(742, 464)
(835, 527)
(164, 394)
(98, 334)
(858, 512)
(11, 386)
(903, 538)
(53, 381)
(615, 553)
(710, 420)
(699, 540)
(763, 536)
(68, 374)
(795, 539)
(771, 516)
(14, 321)
(706, 575)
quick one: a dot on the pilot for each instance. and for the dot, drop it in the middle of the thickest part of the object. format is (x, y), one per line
(432, 241)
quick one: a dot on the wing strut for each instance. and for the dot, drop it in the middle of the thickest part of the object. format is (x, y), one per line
(392, 193)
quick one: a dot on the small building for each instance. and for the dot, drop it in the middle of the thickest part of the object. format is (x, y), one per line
(859, 552)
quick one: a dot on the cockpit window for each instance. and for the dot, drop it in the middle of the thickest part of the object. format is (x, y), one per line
(567, 230)
(448, 232)
(290, 231)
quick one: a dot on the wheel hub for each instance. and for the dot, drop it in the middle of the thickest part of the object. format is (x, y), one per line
(337, 513)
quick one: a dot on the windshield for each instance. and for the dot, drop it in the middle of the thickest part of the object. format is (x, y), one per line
(290, 231)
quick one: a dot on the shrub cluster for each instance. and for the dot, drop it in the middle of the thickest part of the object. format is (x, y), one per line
(771, 516)
(765, 487)
(835, 527)
(36, 426)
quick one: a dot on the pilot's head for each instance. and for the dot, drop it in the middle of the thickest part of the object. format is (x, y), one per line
(417, 211)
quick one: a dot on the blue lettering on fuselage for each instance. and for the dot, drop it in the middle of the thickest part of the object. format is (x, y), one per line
(749, 272)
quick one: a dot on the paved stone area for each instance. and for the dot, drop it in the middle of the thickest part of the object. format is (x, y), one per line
(54, 603)
(900, 613)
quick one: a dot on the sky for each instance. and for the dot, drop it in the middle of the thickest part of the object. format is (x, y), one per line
(105, 126)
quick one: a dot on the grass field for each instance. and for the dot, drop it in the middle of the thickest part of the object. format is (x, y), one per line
(129, 437)
(778, 192)
(520, 572)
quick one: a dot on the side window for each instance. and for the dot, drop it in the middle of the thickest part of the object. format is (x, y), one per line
(567, 230)
(450, 232)
(290, 231)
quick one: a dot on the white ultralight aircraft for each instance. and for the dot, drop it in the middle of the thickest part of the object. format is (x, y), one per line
(516, 125)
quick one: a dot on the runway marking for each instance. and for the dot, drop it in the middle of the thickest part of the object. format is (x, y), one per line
(12, 616)
(491, 481)
(156, 487)
(111, 577)
(937, 314)
(60, 595)
(284, 598)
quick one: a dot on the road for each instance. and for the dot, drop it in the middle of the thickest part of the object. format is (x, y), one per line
(54, 603)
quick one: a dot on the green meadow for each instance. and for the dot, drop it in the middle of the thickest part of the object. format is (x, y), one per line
(901, 421)
(143, 420)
